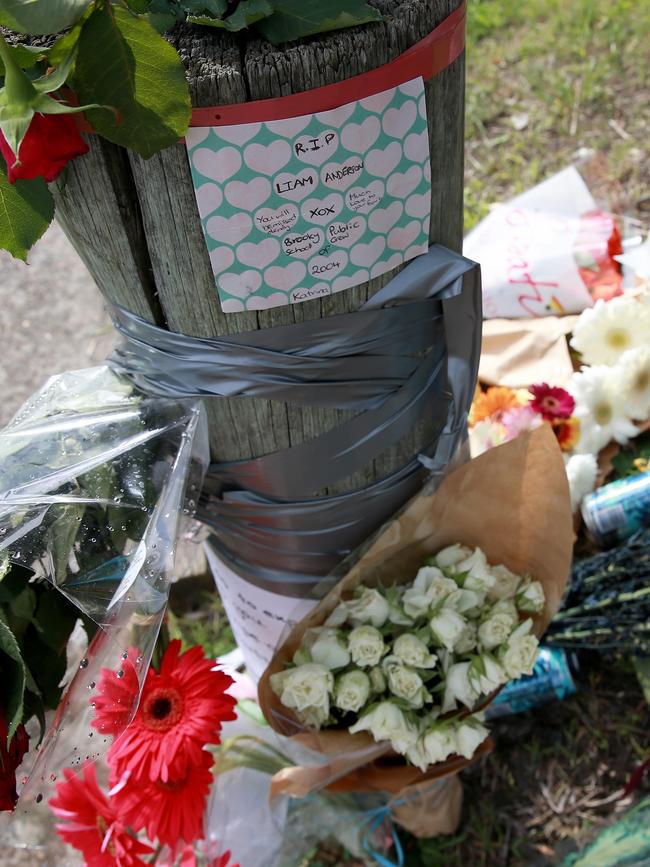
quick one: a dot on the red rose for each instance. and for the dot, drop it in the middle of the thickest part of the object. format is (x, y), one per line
(9, 761)
(51, 141)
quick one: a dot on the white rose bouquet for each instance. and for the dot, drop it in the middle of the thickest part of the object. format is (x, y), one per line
(409, 663)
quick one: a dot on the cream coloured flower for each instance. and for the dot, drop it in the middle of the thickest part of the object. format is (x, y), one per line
(635, 367)
(366, 646)
(507, 607)
(609, 328)
(452, 555)
(505, 583)
(468, 638)
(378, 680)
(494, 631)
(429, 589)
(470, 733)
(327, 647)
(305, 689)
(479, 575)
(458, 687)
(370, 606)
(405, 683)
(486, 674)
(434, 745)
(530, 597)
(410, 650)
(386, 722)
(582, 472)
(600, 406)
(339, 616)
(519, 655)
(447, 628)
(351, 691)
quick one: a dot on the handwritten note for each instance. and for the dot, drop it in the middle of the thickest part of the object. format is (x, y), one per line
(300, 208)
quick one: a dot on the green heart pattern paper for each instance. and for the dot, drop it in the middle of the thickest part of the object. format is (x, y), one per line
(300, 208)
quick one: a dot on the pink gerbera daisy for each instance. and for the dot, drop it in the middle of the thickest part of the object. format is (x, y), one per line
(551, 402)
(181, 709)
(90, 823)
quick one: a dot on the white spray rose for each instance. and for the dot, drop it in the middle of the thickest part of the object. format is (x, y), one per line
(429, 589)
(508, 608)
(305, 689)
(465, 600)
(447, 627)
(485, 674)
(369, 607)
(352, 691)
(505, 584)
(458, 687)
(405, 683)
(414, 652)
(397, 615)
(468, 638)
(328, 648)
(469, 735)
(494, 631)
(378, 680)
(452, 556)
(338, 616)
(386, 722)
(530, 597)
(366, 646)
(520, 653)
(435, 745)
(479, 576)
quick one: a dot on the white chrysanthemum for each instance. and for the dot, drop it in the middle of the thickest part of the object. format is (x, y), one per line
(609, 328)
(581, 471)
(599, 394)
(635, 369)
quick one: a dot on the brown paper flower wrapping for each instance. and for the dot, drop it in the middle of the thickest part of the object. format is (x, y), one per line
(513, 502)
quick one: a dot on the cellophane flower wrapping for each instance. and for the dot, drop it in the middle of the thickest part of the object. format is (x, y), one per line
(95, 481)
(513, 503)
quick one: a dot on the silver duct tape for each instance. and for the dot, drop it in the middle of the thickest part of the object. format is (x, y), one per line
(411, 352)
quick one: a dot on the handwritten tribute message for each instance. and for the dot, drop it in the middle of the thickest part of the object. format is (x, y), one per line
(300, 208)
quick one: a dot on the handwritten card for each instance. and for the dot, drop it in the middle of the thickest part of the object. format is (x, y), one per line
(300, 208)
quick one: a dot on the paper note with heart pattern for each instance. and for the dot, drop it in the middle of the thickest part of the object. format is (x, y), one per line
(300, 208)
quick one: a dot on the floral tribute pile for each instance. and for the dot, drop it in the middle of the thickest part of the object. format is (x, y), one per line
(409, 663)
(603, 401)
(160, 773)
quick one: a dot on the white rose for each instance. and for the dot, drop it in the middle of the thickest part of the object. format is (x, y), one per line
(485, 674)
(508, 608)
(458, 687)
(520, 653)
(468, 638)
(398, 616)
(352, 691)
(435, 745)
(479, 577)
(386, 722)
(465, 600)
(530, 598)
(447, 627)
(305, 689)
(414, 652)
(405, 683)
(328, 648)
(338, 616)
(505, 584)
(452, 556)
(428, 590)
(378, 680)
(366, 646)
(369, 607)
(494, 631)
(469, 735)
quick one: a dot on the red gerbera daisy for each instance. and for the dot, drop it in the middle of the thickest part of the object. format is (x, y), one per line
(551, 401)
(91, 825)
(117, 696)
(181, 709)
(189, 859)
(170, 811)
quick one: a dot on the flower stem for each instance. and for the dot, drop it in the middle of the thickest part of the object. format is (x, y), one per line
(156, 853)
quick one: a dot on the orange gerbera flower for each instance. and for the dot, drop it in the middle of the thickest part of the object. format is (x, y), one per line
(493, 403)
(567, 432)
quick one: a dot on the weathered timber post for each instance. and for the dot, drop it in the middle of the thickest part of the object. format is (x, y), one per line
(136, 225)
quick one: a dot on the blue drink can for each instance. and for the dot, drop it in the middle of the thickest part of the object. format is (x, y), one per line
(551, 680)
(616, 511)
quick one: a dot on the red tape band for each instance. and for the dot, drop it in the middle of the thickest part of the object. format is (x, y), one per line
(426, 58)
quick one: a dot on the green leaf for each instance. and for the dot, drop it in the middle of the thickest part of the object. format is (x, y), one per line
(211, 8)
(39, 17)
(26, 210)
(26, 56)
(123, 63)
(13, 679)
(294, 19)
(246, 13)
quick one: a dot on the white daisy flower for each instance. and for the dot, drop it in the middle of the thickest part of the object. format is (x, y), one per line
(581, 471)
(609, 328)
(635, 367)
(599, 393)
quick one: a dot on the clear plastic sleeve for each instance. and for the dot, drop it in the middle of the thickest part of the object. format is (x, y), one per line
(94, 483)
